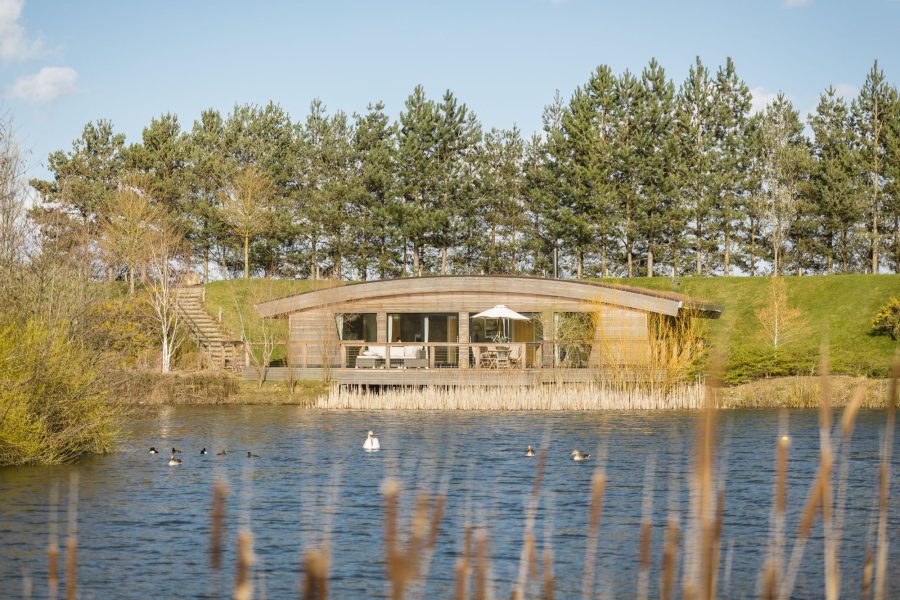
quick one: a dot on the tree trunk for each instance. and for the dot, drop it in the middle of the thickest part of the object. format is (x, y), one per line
(131, 279)
(752, 251)
(579, 267)
(603, 266)
(727, 258)
(246, 257)
(444, 260)
(875, 226)
(649, 261)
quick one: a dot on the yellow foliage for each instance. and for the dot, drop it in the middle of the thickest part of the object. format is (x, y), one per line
(780, 323)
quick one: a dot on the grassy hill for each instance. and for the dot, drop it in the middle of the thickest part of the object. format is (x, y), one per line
(838, 310)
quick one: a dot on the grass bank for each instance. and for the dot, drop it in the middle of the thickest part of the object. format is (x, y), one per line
(213, 387)
(837, 310)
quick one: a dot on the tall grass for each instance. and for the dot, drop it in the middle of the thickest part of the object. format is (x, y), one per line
(594, 396)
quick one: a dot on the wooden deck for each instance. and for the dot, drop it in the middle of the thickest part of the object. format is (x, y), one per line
(435, 377)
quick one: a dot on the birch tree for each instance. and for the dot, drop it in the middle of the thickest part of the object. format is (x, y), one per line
(245, 207)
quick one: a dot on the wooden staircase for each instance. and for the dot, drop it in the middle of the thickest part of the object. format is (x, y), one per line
(221, 352)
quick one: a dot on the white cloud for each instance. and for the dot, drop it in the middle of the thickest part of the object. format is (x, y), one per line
(14, 44)
(797, 3)
(47, 84)
(760, 98)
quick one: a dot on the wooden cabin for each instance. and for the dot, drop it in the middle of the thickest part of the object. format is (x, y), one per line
(421, 330)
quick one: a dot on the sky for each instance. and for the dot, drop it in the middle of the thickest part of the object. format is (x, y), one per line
(65, 63)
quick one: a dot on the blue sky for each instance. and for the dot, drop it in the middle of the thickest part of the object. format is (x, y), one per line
(64, 63)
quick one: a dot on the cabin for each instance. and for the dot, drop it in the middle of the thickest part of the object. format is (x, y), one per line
(451, 330)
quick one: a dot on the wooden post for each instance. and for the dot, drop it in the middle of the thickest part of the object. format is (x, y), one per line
(430, 349)
(305, 355)
(463, 338)
(381, 327)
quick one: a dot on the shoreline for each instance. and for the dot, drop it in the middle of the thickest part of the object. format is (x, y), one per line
(217, 388)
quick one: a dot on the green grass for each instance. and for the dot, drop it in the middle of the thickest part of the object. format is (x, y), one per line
(236, 298)
(838, 309)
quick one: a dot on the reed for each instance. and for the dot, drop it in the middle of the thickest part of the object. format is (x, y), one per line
(217, 526)
(243, 583)
(593, 396)
(72, 540)
(881, 554)
(53, 545)
(598, 487)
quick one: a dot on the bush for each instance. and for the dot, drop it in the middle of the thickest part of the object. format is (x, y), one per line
(52, 401)
(750, 363)
(887, 321)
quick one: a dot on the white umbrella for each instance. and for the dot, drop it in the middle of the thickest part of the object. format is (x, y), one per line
(501, 312)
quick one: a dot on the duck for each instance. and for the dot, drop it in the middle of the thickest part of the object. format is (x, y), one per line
(204, 451)
(174, 462)
(153, 450)
(251, 455)
(371, 444)
(529, 451)
(222, 453)
(579, 457)
(174, 451)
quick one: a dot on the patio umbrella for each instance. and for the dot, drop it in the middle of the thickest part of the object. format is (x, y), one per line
(500, 312)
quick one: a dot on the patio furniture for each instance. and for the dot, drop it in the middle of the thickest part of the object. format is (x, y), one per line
(413, 357)
(517, 355)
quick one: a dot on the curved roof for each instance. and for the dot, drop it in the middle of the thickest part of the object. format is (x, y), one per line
(580, 290)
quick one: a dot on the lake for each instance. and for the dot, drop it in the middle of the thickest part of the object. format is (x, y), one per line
(144, 526)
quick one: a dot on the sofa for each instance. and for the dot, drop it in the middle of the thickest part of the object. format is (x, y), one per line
(401, 356)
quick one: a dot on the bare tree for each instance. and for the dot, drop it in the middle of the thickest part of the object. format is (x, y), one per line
(257, 333)
(163, 278)
(12, 196)
(131, 224)
(780, 323)
(246, 207)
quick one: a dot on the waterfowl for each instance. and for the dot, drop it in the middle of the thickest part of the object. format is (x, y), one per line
(174, 462)
(174, 451)
(204, 451)
(222, 453)
(579, 457)
(529, 451)
(371, 444)
(153, 450)
(251, 455)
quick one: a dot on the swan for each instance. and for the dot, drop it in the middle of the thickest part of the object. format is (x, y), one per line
(579, 457)
(153, 450)
(174, 462)
(529, 451)
(371, 444)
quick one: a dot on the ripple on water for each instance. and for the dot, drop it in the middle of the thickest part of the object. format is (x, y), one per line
(139, 518)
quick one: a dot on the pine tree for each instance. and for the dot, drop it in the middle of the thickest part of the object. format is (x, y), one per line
(374, 199)
(834, 187)
(627, 164)
(658, 221)
(417, 174)
(205, 177)
(694, 164)
(731, 108)
(871, 111)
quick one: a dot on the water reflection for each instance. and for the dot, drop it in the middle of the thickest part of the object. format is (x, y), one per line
(142, 518)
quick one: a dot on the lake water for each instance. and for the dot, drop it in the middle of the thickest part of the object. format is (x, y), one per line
(144, 526)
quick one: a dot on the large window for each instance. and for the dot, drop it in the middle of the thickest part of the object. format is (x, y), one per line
(357, 326)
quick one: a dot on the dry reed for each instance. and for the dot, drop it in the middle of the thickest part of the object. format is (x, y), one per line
(598, 487)
(72, 541)
(217, 527)
(243, 584)
(881, 554)
(594, 396)
(53, 545)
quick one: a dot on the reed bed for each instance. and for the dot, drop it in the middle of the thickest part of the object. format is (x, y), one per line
(594, 396)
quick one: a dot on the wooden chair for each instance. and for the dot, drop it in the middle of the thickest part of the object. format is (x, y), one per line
(517, 355)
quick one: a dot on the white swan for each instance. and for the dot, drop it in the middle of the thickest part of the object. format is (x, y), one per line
(371, 444)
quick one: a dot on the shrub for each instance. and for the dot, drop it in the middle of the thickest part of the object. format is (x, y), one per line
(887, 321)
(52, 401)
